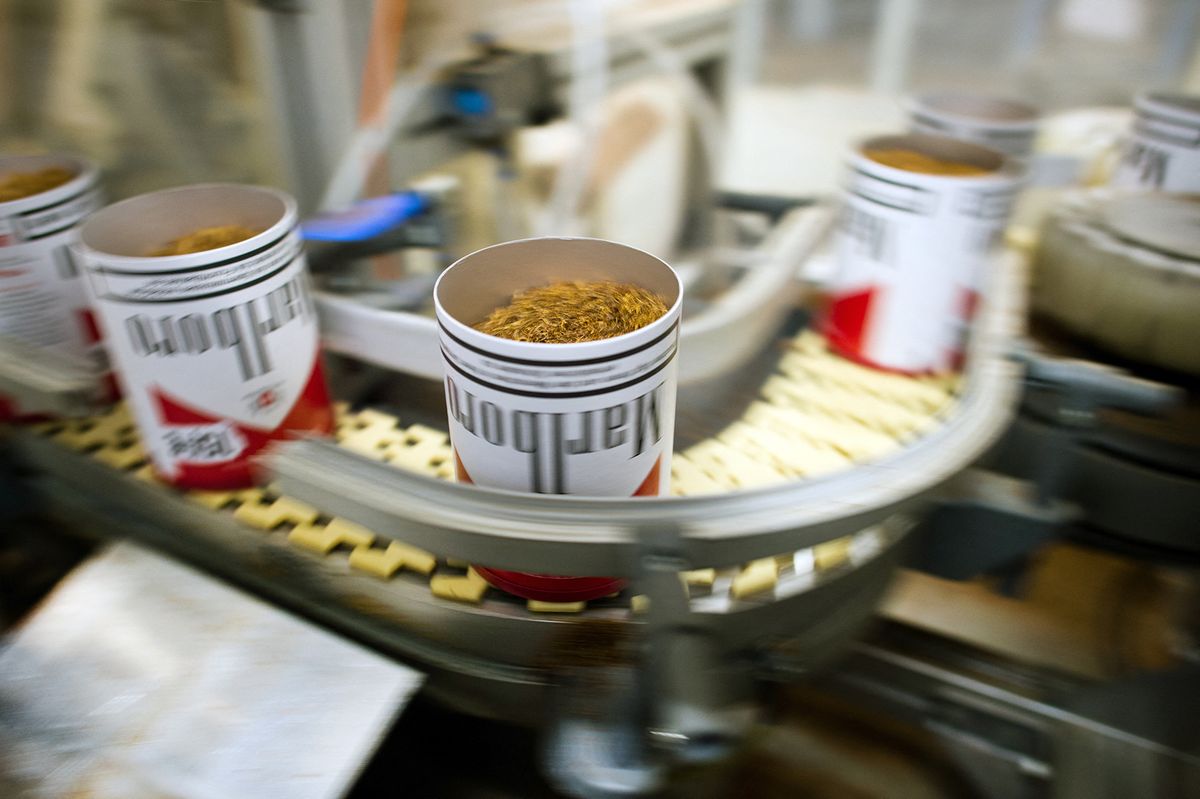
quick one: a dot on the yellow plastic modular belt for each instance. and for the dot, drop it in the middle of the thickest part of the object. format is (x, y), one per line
(818, 413)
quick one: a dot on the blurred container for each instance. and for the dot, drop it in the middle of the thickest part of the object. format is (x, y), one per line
(1162, 151)
(912, 251)
(43, 301)
(217, 351)
(1123, 270)
(1009, 126)
(595, 418)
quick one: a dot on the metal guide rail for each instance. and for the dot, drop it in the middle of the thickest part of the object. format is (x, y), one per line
(784, 522)
(801, 403)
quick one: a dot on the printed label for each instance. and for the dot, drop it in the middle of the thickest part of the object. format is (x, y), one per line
(240, 329)
(601, 427)
(1162, 154)
(907, 254)
(217, 360)
(1152, 127)
(987, 204)
(200, 282)
(43, 300)
(204, 443)
(867, 235)
(893, 194)
(57, 217)
(1014, 141)
(1144, 164)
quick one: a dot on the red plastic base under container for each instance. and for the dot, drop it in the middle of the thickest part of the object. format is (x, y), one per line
(549, 588)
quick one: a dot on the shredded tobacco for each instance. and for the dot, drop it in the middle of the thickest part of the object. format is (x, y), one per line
(208, 238)
(571, 312)
(913, 161)
(26, 184)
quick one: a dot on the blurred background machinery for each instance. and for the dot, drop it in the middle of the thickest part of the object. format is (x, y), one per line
(1040, 640)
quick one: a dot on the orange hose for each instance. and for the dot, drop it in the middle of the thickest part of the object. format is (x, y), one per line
(379, 70)
(383, 57)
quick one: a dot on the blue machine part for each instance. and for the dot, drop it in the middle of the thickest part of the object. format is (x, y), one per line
(470, 101)
(367, 219)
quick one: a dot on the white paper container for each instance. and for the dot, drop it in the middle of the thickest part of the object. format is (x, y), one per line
(42, 297)
(1162, 150)
(912, 249)
(1009, 126)
(216, 351)
(594, 418)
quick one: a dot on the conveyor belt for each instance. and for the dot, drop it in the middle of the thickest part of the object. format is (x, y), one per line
(818, 413)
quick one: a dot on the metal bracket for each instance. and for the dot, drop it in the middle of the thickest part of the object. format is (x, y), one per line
(619, 727)
(987, 521)
(687, 689)
(1082, 388)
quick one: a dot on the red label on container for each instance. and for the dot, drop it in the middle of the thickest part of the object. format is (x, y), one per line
(217, 359)
(214, 453)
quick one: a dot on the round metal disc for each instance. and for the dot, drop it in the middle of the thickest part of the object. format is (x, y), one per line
(1159, 221)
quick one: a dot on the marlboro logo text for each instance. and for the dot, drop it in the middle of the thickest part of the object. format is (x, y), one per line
(549, 440)
(1149, 163)
(241, 329)
(868, 233)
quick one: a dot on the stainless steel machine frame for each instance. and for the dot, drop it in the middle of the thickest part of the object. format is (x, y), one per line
(686, 664)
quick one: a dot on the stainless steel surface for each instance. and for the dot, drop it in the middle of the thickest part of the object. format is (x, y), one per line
(721, 336)
(1017, 733)
(572, 535)
(497, 640)
(1087, 385)
(399, 618)
(1122, 449)
(496, 657)
(141, 677)
(691, 659)
(987, 522)
(1150, 496)
(309, 80)
(698, 33)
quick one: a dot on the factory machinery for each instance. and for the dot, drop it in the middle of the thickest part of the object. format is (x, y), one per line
(803, 484)
(764, 570)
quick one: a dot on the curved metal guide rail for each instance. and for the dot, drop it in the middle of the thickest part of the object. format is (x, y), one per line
(634, 538)
(575, 535)
(470, 650)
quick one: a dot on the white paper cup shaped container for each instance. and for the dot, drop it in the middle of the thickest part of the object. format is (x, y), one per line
(43, 301)
(1009, 126)
(594, 418)
(1162, 150)
(217, 351)
(912, 251)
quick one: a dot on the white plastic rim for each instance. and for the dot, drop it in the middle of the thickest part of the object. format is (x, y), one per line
(595, 418)
(1162, 150)
(43, 301)
(1163, 222)
(23, 215)
(1173, 106)
(1003, 124)
(911, 251)
(217, 351)
(1122, 288)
